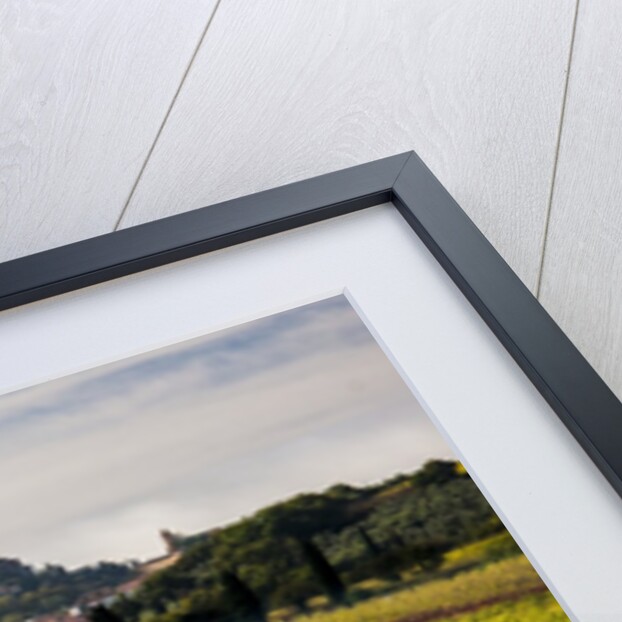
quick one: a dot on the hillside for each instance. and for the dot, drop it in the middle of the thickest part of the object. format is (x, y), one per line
(312, 555)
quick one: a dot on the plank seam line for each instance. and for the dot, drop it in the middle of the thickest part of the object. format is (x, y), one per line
(547, 218)
(166, 116)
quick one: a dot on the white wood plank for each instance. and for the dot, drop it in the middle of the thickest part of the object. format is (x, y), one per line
(281, 91)
(582, 275)
(84, 87)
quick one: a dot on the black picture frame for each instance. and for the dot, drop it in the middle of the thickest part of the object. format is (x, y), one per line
(572, 388)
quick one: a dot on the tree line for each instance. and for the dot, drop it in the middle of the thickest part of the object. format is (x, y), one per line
(281, 556)
(316, 544)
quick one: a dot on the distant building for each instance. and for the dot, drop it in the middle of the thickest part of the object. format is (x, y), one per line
(107, 595)
(171, 541)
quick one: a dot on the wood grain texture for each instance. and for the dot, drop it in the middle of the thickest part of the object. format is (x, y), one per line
(84, 87)
(582, 270)
(282, 91)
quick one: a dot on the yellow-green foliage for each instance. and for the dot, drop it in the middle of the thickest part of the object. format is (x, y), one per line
(508, 579)
(490, 549)
(460, 470)
(396, 489)
(539, 608)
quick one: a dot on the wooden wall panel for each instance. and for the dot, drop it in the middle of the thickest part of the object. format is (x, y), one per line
(84, 88)
(282, 91)
(582, 270)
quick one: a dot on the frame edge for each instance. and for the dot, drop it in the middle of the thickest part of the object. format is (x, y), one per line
(153, 244)
(562, 375)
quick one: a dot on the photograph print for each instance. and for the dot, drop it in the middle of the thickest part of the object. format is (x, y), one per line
(279, 471)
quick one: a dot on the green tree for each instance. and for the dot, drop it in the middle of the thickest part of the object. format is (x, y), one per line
(372, 548)
(324, 572)
(428, 557)
(437, 472)
(241, 597)
(100, 613)
(126, 607)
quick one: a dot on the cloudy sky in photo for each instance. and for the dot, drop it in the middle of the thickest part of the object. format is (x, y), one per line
(198, 434)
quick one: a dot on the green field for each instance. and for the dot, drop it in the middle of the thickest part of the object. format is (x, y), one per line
(503, 591)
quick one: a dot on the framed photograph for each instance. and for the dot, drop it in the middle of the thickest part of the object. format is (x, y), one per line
(332, 401)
